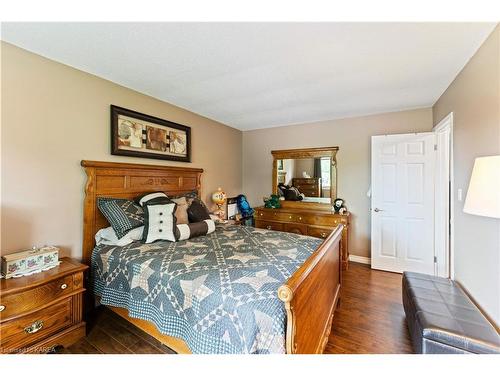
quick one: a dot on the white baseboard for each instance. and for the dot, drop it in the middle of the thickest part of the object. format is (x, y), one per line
(358, 259)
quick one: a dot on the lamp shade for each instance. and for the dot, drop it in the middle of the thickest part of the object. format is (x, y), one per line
(219, 197)
(483, 195)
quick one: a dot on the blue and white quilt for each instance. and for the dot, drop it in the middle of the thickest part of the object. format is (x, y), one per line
(216, 292)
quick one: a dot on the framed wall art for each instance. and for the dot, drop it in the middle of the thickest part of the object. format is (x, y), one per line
(144, 136)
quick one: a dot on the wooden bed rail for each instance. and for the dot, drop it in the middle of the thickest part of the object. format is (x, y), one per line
(311, 295)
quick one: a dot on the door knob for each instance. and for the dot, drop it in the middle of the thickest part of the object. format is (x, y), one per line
(377, 209)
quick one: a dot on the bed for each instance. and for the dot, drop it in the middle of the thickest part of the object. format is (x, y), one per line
(236, 290)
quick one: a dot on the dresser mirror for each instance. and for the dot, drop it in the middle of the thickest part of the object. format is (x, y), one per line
(311, 171)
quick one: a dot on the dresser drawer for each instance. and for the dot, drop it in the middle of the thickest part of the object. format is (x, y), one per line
(268, 225)
(19, 303)
(320, 232)
(295, 228)
(323, 220)
(310, 193)
(307, 188)
(263, 215)
(276, 215)
(21, 332)
(305, 181)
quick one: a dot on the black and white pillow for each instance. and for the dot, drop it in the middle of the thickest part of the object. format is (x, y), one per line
(122, 214)
(155, 197)
(159, 222)
(186, 231)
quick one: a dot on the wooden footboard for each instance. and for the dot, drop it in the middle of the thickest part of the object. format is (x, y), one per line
(311, 295)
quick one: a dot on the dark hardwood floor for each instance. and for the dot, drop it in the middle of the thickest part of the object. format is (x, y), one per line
(370, 319)
(108, 333)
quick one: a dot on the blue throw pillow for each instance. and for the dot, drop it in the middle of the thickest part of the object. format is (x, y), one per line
(122, 214)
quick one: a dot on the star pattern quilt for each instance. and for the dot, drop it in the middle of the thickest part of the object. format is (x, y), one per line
(216, 292)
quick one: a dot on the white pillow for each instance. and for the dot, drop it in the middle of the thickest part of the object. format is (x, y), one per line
(159, 222)
(107, 236)
(158, 196)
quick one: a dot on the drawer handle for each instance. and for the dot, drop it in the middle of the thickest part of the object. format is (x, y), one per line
(261, 214)
(2, 308)
(300, 217)
(323, 234)
(268, 227)
(290, 216)
(35, 327)
(64, 286)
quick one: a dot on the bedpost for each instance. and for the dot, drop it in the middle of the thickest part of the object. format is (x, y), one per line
(311, 295)
(89, 206)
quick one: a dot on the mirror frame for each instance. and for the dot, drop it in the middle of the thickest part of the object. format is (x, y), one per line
(307, 153)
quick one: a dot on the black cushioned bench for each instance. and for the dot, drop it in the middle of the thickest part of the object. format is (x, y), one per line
(443, 319)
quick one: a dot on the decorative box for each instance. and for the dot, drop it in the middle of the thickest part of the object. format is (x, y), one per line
(30, 261)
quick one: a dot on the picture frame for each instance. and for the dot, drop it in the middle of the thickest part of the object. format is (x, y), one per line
(232, 208)
(139, 135)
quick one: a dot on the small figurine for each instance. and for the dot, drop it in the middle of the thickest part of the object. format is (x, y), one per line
(244, 206)
(338, 204)
(273, 202)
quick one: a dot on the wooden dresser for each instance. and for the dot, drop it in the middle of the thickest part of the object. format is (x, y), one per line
(310, 187)
(42, 311)
(316, 223)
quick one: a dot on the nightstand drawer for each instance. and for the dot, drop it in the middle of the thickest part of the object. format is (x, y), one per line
(19, 303)
(21, 332)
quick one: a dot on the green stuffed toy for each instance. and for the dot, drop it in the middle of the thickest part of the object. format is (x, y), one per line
(272, 202)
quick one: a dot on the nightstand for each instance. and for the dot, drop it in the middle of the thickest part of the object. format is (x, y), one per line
(42, 311)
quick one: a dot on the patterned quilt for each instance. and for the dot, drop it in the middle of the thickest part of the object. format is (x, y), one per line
(216, 292)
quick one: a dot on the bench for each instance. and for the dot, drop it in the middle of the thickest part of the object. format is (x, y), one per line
(443, 319)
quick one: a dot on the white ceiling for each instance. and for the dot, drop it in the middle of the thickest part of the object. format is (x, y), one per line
(258, 75)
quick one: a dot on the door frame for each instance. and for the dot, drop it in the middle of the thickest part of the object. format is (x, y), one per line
(445, 207)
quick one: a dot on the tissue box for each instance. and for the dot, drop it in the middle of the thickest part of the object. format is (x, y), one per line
(30, 261)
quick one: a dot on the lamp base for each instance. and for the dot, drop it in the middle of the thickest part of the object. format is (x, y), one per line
(220, 212)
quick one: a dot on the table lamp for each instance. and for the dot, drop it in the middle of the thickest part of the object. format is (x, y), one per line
(219, 198)
(483, 195)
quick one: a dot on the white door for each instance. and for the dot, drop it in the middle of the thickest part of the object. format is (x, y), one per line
(402, 208)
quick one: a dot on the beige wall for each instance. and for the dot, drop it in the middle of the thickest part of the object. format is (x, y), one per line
(53, 116)
(289, 168)
(352, 135)
(474, 99)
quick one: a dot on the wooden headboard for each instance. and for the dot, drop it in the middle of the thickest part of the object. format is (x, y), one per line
(124, 180)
